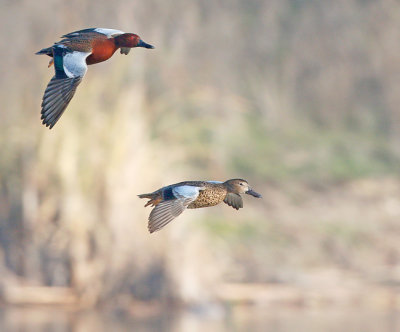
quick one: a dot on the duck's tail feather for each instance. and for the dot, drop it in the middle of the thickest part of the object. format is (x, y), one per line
(154, 199)
(150, 195)
(47, 51)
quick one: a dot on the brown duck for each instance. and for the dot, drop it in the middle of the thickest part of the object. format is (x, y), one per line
(172, 200)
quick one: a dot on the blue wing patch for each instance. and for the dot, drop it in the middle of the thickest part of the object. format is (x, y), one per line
(186, 191)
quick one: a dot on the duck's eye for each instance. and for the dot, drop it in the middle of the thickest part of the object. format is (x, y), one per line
(241, 183)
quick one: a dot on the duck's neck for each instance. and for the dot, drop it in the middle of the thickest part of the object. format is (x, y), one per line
(119, 41)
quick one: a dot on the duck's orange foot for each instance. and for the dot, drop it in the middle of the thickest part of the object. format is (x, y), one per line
(51, 62)
(153, 202)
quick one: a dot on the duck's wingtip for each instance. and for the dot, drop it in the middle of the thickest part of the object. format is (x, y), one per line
(47, 125)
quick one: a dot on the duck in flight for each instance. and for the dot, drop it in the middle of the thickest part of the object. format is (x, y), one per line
(71, 56)
(170, 201)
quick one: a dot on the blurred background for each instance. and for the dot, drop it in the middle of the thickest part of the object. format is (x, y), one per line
(299, 97)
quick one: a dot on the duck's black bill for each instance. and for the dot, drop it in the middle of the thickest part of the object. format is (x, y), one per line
(253, 193)
(143, 44)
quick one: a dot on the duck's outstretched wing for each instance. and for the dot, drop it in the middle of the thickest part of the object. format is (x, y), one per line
(168, 210)
(70, 67)
(234, 200)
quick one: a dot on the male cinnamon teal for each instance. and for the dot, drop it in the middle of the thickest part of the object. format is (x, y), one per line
(172, 200)
(71, 56)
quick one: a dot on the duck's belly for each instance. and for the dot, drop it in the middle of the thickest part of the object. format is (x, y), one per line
(208, 197)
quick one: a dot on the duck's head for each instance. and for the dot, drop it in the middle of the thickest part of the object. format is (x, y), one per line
(130, 40)
(240, 186)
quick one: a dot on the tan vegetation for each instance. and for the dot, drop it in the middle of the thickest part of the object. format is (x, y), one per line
(298, 97)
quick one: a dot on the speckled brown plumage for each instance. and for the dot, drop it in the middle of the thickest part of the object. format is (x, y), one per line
(213, 194)
(170, 201)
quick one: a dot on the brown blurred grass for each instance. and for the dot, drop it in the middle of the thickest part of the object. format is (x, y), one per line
(300, 98)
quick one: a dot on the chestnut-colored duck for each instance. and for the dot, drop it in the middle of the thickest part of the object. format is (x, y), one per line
(170, 201)
(71, 56)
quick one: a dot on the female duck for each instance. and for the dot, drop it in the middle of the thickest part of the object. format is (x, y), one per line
(71, 56)
(171, 201)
